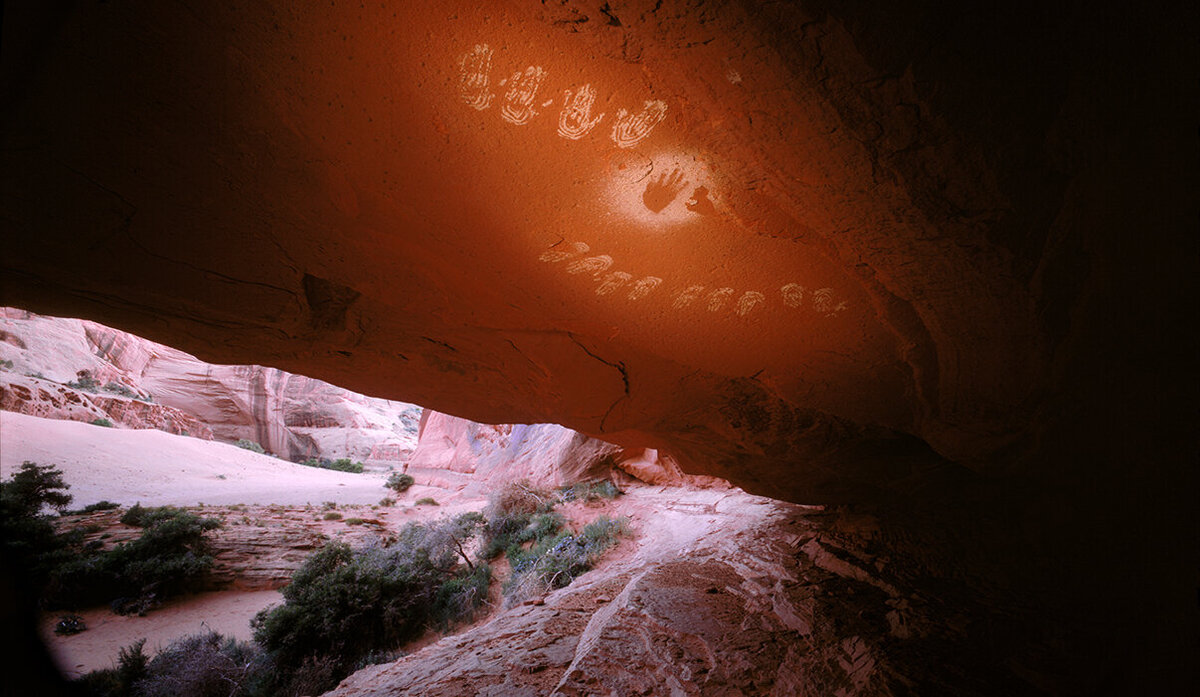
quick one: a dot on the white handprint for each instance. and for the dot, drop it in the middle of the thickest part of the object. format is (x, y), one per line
(793, 294)
(473, 81)
(747, 302)
(685, 297)
(574, 121)
(824, 302)
(595, 265)
(717, 298)
(613, 281)
(631, 129)
(644, 286)
(522, 89)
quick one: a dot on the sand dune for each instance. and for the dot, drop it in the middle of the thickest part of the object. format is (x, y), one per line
(157, 468)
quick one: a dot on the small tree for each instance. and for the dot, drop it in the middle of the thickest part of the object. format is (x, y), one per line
(28, 543)
(399, 482)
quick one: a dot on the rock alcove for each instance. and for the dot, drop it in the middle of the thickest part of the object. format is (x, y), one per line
(931, 263)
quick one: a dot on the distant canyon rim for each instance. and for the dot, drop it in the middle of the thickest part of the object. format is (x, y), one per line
(922, 263)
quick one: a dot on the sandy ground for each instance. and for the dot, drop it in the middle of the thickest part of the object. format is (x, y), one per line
(157, 468)
(226, 613)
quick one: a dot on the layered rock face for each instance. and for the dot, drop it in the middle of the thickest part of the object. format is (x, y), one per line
(478, 458)
(902, 255)
(453, 450)
(140, 384)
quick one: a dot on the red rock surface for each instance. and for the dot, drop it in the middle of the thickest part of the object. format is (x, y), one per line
(807, 247)
(453, 451)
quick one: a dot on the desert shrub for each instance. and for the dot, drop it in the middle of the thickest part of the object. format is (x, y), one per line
(553, 562)
(250, 445)
(142, 517)
(84, 381)
(387, 502)
(343, 464)
(69, 624)
(332, 515)
(508, 513)
(460, 598)
(589, 491)
(344, 604)
(98, 506)
(205, 665)
(120, 680)
(353, 521)
(169, 557)
(426, 501)
(6, 364)
(399, 482)
(119, 389)
(107, 423)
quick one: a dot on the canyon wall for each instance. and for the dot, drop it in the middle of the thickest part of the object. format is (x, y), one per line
(83, 371)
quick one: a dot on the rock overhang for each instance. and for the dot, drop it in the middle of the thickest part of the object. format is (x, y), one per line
(792, 245)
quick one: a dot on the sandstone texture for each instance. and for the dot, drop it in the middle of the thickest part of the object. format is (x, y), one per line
(141, 384)
(898, 255)
(486, 456)
(723, 593)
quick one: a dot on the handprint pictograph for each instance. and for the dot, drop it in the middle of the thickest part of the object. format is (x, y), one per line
(522, 89)
(631, 129)
(594, 265)
(644, 287)
(747, 302)
(662, 191)
(576, 120)
(825, 303)
(473, 80)
(699, 202)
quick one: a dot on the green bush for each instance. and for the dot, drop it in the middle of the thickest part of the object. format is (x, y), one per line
(251, 446)
(399, 482)
(69, 624)
(119, 389)
(98, 506)
(345, 604)
(118, 681)
(28, 542)
(553, 562)
(589, 491)
(426, 501)
(387, 502)
(353, 521)
(6, 364)
(332, 515)
(342, 464)
(508, 513)
(170, 557)
(101, 422)
(206, 665)
(84, 382)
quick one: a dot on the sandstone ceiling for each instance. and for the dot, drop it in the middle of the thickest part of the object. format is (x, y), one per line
(798, 245)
